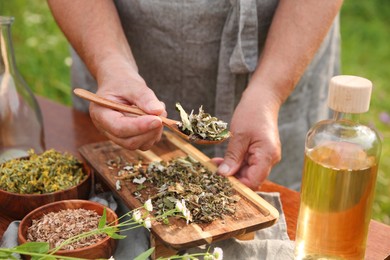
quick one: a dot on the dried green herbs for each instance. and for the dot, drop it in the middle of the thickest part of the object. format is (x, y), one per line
(202, 125)
(208, 196)
(48, 172)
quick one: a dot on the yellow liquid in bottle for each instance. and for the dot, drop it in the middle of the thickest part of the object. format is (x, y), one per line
(338, 185)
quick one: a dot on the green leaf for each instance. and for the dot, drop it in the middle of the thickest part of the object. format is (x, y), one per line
(145, 255)
(34, 247)
(113, 232)
(109, 230)
(43, 258)
(103, 219)
(5, 255)
(116, 236)
(10, 257)
(224, 134)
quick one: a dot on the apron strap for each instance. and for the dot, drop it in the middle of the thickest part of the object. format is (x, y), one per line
(238, 57)
(245, 54)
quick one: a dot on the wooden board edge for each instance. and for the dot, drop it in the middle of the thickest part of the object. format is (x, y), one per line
(209, 239)
(265, 207)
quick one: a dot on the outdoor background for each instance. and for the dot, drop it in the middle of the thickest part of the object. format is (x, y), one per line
(43, 59)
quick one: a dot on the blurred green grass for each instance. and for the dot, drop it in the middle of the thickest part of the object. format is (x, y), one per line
(42, 55)
(365, 31)
(41, 50)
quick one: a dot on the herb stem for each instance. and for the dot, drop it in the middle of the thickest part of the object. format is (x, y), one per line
(43, 256)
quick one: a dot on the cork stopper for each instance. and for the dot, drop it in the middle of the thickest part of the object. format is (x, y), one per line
(349, 94)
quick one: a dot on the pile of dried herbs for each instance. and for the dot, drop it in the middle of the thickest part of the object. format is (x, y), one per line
(56, 227)
(202, 125)
(48, 172)
(208, 196)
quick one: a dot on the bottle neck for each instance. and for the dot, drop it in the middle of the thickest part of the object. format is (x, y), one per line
(337, 116)
(7, 59)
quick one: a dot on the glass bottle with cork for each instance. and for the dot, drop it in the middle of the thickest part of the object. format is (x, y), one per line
(21, 126)
(339, 176)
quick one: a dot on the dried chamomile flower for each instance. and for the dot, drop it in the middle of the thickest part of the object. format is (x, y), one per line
(148, 205)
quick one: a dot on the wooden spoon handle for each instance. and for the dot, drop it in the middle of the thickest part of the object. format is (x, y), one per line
(85, 94)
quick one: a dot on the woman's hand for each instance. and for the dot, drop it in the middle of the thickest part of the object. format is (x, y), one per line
(296, 32)
(107, 54)
(254, 147)
(122, 84)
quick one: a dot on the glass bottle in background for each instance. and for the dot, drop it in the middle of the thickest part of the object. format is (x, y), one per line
(21, 126)
(339, 176)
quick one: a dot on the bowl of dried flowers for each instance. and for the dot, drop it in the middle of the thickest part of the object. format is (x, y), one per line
(39, 179)
(72, 228)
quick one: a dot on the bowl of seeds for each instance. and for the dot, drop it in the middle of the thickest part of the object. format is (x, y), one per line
(39, 179)
(82, 221)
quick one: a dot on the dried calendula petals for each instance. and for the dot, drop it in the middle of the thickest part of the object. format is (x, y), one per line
(48, 172)
(202, 125)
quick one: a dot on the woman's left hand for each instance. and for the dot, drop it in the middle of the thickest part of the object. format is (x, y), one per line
(254, 147)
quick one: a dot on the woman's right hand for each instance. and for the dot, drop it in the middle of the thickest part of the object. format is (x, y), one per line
(95, 32)
(118, 81)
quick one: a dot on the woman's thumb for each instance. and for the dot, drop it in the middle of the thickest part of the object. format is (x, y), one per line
(234, 156)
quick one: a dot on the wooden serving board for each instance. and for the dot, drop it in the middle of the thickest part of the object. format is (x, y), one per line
(252, 212)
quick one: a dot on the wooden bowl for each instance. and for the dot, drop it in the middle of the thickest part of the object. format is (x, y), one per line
(17, 205)
(105, 248)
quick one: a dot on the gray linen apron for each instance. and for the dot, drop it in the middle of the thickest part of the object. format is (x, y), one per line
(202, 52)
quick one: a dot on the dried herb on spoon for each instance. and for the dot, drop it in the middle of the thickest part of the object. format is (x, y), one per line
(202, 125)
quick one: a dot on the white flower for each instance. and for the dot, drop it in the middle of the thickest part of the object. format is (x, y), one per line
(179, 206)
(140, 180)
(137, 216)
(147, 223)
(111, 258)
(187, 215)
(148, 205)
(118, 185)
(183, 202)
(218, 253)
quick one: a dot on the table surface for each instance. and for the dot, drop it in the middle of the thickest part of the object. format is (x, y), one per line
(67, 129)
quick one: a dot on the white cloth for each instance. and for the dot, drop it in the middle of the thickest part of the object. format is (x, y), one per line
(271, 243)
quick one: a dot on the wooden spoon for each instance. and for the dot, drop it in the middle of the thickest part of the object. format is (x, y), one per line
(170, 123)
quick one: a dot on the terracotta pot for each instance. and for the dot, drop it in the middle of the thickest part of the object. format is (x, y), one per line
(105, 248)
(17, 205)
